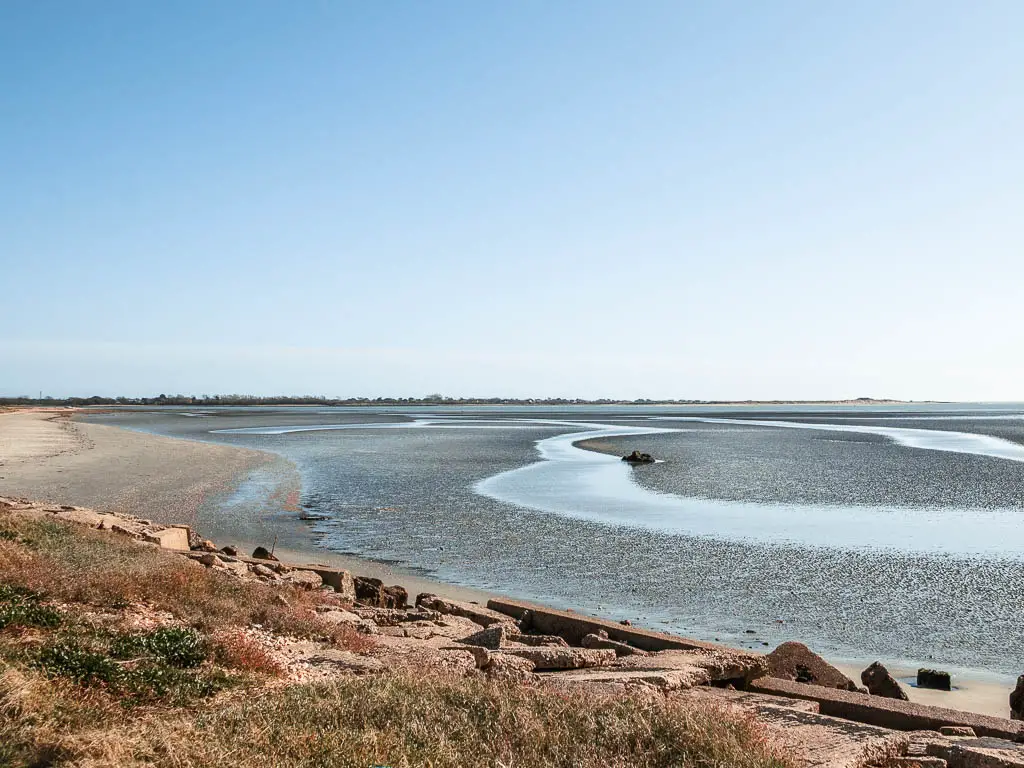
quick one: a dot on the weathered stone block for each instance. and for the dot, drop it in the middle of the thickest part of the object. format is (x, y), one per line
(303, 579)
(478, 614)
(795, 661)
(934, 678)
(169, 538)
(879, 682)
(564, 658)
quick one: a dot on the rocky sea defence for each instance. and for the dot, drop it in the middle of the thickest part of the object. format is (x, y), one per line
(358, 626)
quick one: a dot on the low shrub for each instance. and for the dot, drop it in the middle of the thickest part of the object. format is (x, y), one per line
(84, 660)
(238, 651)
(174, 646)
(21, 607)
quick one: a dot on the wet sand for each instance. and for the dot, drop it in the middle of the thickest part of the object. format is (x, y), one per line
(46, 455)
(981, 696)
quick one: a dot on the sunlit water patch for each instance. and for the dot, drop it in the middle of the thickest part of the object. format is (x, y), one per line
(586, 485)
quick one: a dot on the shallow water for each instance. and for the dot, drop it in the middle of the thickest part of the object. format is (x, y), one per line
(888, 532)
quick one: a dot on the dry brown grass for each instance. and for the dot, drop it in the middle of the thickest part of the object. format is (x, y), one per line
(390, 720)
(236, 650)
(78, 565)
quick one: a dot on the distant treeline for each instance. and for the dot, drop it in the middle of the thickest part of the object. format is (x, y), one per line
(211, 400)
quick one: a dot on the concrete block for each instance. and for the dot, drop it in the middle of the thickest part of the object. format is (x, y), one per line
(169, 538)
(889, 713)
(485, 617)
(985, 753)
(575, 626)
(563, 658)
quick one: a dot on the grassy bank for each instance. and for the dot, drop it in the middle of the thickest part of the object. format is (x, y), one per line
(81, 684)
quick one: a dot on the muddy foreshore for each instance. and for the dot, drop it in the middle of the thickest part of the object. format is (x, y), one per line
(51, 456)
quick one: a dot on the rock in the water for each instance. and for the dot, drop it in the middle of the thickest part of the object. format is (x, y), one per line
(933, 678)
(880, 683)
(639, 458)
(262, 553)
(795, 661)
(1017, 700)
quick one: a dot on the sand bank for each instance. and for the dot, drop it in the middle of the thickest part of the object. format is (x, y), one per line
(46, 455)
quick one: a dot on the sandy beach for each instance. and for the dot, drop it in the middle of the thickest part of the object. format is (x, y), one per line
(48, 455)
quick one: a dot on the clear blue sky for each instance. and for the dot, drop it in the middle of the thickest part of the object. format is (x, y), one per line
(653, 199)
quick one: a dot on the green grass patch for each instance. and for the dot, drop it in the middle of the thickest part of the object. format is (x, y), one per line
(173, 646)
(20, 607)
(159, 666)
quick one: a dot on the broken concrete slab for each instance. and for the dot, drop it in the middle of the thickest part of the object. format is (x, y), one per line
(986, 753)
(575, 626)
(916, 761)
(492, 638)
(392, 617)
(340, 616)
(338, 578)
(819, 741)
(722, 665)
(663, 679)
(537, 641)
(507, 668)
(729, 664)
(621, 649)
(745, 699)
(485, 617)
(889, 713)
(168, 538)
(957, 730)
(563, 658)
(303, 579)
(809, 737)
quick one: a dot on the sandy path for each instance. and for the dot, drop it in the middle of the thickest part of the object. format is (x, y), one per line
(44, 455)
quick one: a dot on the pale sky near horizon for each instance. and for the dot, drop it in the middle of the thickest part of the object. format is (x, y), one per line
(584, 199)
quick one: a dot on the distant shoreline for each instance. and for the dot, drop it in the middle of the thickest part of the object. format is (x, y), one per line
(13, 403)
